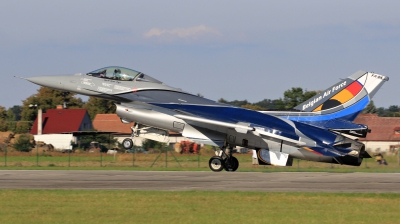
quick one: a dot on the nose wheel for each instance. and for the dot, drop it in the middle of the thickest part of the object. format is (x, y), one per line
(127, 143)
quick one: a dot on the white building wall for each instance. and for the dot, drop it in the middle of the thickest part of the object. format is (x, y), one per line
(59, 141)
(382, 146)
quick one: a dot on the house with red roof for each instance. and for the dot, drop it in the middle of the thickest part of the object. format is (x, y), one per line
(111, 123)
(59, 121)
(385, 132)
(58, 126)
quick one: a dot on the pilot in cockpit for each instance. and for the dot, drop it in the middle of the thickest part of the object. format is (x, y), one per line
(117, 74)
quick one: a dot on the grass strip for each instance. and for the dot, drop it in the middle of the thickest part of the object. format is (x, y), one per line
(115, 206)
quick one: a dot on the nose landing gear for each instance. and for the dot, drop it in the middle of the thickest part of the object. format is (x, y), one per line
(128, 143)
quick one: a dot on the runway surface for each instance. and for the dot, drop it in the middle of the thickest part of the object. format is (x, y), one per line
(184, 181)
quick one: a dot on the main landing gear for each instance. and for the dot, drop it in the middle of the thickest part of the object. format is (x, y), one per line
(223, 160)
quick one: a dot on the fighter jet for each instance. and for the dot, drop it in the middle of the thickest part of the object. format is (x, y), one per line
(320, 129)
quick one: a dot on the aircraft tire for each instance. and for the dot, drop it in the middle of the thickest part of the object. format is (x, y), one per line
(236, 163)
(231, 165)
(127, 143)
(216, 163)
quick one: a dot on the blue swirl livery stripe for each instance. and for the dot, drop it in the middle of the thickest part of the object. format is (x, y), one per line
(235, 115)
(348, 113)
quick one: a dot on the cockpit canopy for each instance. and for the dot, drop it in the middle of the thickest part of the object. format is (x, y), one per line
(121, 74)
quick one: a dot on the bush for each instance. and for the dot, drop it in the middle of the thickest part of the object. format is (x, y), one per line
(23, 143)
(151, 144)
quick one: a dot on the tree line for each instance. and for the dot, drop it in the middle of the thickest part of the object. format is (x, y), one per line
(20, 118)
(291, 98)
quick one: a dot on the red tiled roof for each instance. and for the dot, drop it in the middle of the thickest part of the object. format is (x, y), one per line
(382, 128)
(60, 121)
(111, 123)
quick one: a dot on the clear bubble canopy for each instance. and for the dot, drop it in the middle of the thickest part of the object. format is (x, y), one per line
(121, 74)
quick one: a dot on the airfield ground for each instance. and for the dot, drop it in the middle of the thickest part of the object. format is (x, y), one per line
(119, 191)
(200, 181)
(197, 197)
(128, 206)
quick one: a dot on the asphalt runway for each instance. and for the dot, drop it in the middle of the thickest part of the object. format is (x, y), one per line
(209, 181)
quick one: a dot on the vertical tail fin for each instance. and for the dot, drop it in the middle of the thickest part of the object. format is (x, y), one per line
(347, 98)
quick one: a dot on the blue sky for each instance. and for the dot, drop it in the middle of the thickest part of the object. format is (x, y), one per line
(240, 50)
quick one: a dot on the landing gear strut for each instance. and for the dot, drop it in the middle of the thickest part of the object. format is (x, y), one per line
(224, 160)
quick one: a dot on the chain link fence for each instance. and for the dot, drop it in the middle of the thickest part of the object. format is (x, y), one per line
(168, 158)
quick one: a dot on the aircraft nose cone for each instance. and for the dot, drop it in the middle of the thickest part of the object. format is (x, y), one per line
(40, 80)
(47, 81)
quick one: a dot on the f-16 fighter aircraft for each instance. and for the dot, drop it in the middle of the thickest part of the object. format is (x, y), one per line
(317, 130)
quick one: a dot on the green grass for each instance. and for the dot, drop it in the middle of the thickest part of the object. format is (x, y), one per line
(79, 206)
(186, 162)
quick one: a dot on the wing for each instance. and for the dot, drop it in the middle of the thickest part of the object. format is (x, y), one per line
(343, 126)
(239, 127)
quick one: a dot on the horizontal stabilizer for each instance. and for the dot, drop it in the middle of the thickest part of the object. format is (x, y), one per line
(338, 124)
(343, 126)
